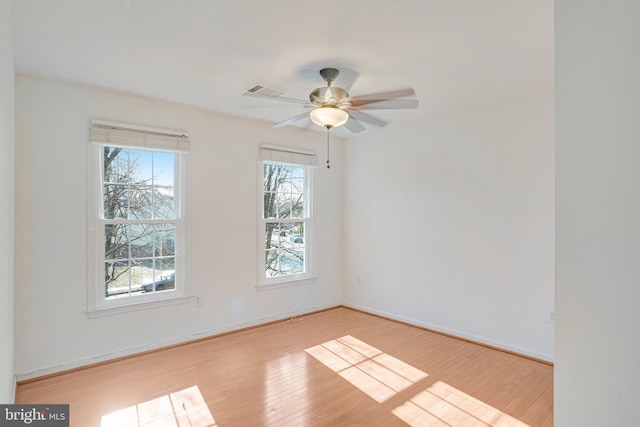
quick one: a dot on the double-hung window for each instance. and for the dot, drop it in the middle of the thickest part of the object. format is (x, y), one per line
(138, 208)
(285, 238)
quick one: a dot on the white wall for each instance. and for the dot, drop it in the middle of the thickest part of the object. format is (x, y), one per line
(598, 213)
(450, 224)
(6, 204)
(52, 132)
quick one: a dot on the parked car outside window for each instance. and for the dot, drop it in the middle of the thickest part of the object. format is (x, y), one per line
(165, 283)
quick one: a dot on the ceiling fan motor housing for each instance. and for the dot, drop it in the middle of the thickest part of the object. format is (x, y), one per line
(332, 95)
(329, 95)
(329, 74)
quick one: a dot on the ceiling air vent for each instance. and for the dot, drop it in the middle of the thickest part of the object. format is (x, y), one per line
(265, 91)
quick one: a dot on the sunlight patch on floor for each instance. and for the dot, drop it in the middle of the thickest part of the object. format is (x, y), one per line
(442, 404)
(180, 409)
(374, 372)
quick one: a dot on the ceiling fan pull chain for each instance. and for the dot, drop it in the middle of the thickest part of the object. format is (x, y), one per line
(328, 165)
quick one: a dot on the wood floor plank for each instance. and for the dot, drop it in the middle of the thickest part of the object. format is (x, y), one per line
(264, 376)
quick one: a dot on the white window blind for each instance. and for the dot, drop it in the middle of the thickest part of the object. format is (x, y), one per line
(125, 135)
(286, 155)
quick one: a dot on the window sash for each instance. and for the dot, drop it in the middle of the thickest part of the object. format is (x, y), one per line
(289, 253)
(154, 186)
(135, 261)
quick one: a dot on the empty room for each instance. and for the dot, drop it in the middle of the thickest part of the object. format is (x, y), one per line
(339, 213)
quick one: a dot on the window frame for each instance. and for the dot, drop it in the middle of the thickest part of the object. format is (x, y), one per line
(308, 219)
(97, 304)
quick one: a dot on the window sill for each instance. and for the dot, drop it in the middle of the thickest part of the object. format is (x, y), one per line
(285, 283)
(108, 311)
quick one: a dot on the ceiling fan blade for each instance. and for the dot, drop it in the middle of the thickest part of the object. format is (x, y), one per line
(354, 125)
(347, 78)
(272, 106)
(380, 96)
(277, 98)
(291, 120)
(364, 117)
(387, 104)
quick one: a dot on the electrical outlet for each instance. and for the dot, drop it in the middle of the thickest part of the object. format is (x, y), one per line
(552, 317)
(358, 281)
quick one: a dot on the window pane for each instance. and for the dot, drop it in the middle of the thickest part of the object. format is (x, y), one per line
(285, 249)
(164, 240)
(271, 262)
(141, 166)
(270, 209)
(141, 239)
(297, 256)
(115, 165)
(165, 267)
(163, 169)
(116, 278)
(163, 203)
(142, 254)
(275, 176)
(115, 201)
(283, 262)
(297, 177)
(283, 205)
(297, 233)
(275, 233)
(296, 194)
(165, 275)
(116, 244)
(141, 273)
(138, 184)
(163, 185)
(140, 201)
(292, 262)
(271, 173)
(283, 191)
(284, 235)
(297, 205)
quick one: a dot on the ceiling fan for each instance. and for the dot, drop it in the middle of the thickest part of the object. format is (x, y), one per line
(332, 106)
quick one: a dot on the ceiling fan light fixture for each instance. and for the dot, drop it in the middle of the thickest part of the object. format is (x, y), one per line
(329, 116)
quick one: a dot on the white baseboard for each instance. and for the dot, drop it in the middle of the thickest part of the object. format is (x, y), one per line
(471, 337)
(164, 343)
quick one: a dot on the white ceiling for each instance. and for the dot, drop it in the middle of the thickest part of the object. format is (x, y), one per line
(457, 55)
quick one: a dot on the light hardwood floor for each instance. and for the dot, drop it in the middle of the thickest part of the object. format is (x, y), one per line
(336, 367)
